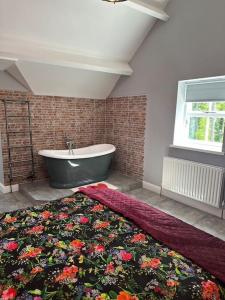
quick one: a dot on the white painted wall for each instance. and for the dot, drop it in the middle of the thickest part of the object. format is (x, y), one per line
(8, 83)
(190, 45)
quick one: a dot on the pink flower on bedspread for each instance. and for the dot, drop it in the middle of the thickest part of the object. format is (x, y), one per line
(11, 246)
(110, 268)
(99, 248)
(9, 294)
(36, 230)
(126, 256)
(63, 216)
(210, 291)
(70, 226)
(138, 238)
(84, 220)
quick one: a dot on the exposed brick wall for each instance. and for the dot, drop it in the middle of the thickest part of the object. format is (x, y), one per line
(125, 128)
(86, 121)
(53, 118)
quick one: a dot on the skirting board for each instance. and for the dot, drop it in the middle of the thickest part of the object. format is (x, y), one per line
(5, 189)
(151, 187)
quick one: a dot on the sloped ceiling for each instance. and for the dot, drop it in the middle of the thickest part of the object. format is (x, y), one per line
(73, 47)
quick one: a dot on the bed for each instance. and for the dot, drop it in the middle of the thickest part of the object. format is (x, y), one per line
(81, 248)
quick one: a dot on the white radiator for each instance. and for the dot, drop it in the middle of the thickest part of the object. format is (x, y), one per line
(200, 182)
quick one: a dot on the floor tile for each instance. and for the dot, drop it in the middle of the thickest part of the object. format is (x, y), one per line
(190, 215)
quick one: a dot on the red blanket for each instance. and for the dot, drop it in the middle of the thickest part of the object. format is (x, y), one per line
(202, 248)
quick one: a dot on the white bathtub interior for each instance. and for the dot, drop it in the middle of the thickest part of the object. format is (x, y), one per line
(85, 152)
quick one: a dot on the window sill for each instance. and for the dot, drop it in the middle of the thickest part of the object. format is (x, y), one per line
(197, 149)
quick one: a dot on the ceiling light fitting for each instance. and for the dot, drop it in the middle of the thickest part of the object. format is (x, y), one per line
(114, 1)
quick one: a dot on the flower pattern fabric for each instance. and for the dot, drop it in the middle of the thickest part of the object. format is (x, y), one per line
(76, 248)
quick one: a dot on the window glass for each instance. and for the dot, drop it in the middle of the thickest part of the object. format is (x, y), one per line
(197, 128)
(205, 123)
(200, 106)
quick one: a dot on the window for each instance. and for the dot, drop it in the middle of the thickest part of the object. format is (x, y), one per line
(200, 116)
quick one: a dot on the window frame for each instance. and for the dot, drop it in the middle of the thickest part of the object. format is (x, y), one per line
(180, 139)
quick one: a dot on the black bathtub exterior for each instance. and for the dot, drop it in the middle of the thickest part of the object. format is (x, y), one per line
(65, 173)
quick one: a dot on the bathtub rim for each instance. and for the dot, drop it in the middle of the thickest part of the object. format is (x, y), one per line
(64, 154)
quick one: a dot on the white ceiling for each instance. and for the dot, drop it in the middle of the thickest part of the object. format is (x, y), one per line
(44, 79)
(90, 40)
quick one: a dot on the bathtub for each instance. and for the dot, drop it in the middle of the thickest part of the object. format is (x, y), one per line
(86, 165)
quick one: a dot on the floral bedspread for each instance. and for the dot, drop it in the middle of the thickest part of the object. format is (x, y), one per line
(77, 248)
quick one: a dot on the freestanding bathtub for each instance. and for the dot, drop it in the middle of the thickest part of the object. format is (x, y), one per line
(86, 165)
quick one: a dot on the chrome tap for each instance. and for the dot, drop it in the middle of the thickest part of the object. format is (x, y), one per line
(70, 145)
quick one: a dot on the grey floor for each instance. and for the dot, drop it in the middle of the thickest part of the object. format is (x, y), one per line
(14, 201)
(195, 217)
(41, 192)
(190, 215)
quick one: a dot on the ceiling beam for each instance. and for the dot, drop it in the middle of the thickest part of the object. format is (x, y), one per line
(26, 50)
(148, 9)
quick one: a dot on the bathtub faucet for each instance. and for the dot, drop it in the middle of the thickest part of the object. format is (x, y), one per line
(70, 145)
